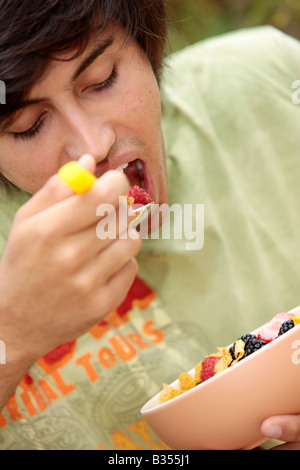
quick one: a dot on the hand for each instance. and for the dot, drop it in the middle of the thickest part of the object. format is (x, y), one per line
(283, 428)
(57, 279)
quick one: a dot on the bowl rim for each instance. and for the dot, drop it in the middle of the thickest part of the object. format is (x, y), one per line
(208, 383)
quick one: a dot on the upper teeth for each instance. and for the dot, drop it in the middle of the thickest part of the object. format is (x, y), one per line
(121, 168)
(139, 166)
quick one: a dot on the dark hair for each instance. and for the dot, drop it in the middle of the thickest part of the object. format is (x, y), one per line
(34, 31)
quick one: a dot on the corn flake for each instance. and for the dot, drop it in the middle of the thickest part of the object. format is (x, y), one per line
(168, 393)
(198, 369)
(239, 351)
(187, 382)
(221, 365)
(225, 353)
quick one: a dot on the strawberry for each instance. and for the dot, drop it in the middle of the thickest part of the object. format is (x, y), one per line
(138, 195)
(208, 367)
(270, 331)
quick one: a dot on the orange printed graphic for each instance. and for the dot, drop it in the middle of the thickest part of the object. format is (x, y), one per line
(43, 397)
(140, 428)
(138, 341)
(158, 335)
(50, 367)
(34, 391)
(101, 447)
(63, 387)
(115, 320)
(99, 330)
(13, 409)
(106, 358)
(3, 421)
(48, 391)
(123, 348)
(122, 441)
(26, 399)
(85, 361)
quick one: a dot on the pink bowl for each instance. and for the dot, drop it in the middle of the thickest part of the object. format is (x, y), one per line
(226, 412)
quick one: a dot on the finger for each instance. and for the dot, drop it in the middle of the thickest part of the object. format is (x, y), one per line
(285, 428)
(82, 211)
(106, 298)
(112, 260)
(87, 244)
(96, 272)
(54, 191)
(118, 286)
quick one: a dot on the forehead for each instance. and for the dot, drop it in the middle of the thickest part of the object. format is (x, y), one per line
(79, 61)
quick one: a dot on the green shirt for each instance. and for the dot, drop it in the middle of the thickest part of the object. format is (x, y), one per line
(232, 144)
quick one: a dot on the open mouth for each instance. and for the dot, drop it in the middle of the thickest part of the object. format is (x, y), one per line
(135, 173)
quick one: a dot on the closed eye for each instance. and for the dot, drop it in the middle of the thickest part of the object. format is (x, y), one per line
(30, 133)
(108, 82)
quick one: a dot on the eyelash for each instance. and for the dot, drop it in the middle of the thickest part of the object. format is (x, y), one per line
(34, 130)
(31, 132)
(109, 81)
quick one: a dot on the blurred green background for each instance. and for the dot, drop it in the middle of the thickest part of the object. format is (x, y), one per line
(193, 20)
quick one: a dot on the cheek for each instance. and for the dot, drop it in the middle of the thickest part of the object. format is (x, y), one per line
(27, 169)
(141, 104)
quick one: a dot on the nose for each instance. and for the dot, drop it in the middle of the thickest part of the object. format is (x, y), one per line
(89, 136)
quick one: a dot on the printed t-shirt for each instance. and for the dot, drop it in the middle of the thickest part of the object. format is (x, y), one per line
(232, 145)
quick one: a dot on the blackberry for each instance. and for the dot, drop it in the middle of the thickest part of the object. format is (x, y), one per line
(231, 350)
(286, 326)
(253, 345)
(246, 339)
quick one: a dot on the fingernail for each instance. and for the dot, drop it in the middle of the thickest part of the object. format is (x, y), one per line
(273, 430)
(85, 159)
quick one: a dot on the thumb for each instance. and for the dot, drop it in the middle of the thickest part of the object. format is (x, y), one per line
(285, 428)
(54, 191)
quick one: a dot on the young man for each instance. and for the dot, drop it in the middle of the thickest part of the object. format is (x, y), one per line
(87, 341)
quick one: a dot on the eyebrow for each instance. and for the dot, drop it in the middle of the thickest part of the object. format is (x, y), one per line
(99, 50)
(94, 54)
